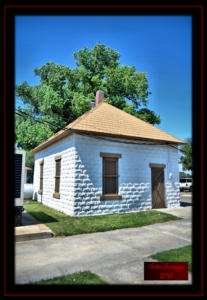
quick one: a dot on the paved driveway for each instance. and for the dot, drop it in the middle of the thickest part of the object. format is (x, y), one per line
(117, 256)
(186, 198)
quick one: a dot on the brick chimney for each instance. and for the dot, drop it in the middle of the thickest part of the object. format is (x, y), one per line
(99, 97)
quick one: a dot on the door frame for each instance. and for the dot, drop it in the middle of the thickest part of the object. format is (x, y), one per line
(161, 166)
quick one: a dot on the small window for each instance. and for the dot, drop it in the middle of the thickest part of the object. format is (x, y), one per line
(41, 178)
(57, 177)
(110, 177)
(189, 180)
(182, 180)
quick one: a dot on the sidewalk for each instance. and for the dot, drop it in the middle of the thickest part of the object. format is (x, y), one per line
(31, 229)
(117, 256)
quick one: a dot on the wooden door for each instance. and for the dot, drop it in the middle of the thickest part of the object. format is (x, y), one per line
(158, 188)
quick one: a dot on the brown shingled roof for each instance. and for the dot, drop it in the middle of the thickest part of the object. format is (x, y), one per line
(107, 120)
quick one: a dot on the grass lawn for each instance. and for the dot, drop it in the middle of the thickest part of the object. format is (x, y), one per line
(181, 254)
(63, 225)
(74, 279)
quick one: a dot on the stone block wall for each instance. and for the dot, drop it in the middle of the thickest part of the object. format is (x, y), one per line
(134, 175)
(81, 175)
(66, 149)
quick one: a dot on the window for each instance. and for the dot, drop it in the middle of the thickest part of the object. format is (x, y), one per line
(110, 176)
(57, 177)
(186, 180)
(41, 177)
(18, 175)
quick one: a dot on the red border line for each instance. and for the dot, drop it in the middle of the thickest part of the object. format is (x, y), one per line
(202, 153)
(5, 148)
(105, 6)
(64, 295)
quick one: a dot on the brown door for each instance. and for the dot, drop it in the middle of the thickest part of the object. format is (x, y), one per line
(158, 188)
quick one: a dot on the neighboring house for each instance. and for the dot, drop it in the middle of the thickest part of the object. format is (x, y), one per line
(19, 164)
(25, 173)
(107, 161)
(28, 187)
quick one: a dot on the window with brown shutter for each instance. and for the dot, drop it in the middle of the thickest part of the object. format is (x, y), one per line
(110, 176)
(41, 178)
(57, 177)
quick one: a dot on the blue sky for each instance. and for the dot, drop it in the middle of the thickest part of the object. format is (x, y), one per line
(157, 45)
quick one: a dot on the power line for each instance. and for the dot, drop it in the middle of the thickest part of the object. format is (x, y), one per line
(23, 114)
(131, 143)
(177, 148)
(67, 120)
(42, 122)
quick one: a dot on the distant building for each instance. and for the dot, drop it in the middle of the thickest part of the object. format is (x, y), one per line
(25, 173)
(19, 163)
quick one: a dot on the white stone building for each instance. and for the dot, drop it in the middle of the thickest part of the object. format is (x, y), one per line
(107, 162)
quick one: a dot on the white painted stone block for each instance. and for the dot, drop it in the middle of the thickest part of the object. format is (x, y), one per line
(81, 175)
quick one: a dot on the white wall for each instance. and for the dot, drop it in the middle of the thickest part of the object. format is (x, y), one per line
(25, 176)
(81, 175)
(66, 149)
(134, 180)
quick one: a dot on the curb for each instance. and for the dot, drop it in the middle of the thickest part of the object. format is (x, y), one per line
(32, 232)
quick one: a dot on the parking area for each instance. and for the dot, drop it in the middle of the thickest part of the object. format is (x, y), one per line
(186, 198)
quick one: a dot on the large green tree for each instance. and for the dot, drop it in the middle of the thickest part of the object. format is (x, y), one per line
(64, 94)
(186, 158)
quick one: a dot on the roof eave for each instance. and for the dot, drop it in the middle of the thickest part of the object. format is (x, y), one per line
(127, 137)
(49, 142)
(93, 133)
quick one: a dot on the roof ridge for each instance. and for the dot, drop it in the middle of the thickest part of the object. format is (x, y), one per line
(83, 116)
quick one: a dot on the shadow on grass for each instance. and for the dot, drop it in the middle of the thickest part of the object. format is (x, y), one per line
(43, 217)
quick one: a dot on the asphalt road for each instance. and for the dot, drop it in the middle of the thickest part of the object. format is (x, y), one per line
(117, 256)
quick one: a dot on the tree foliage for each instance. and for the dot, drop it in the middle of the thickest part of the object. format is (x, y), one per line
(64, 94)
(186, 158)
(185, 175)
(29, 161)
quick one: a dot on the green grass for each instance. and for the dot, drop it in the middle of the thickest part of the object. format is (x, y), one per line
(80, 278)
(183, 254)
(63, 225)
